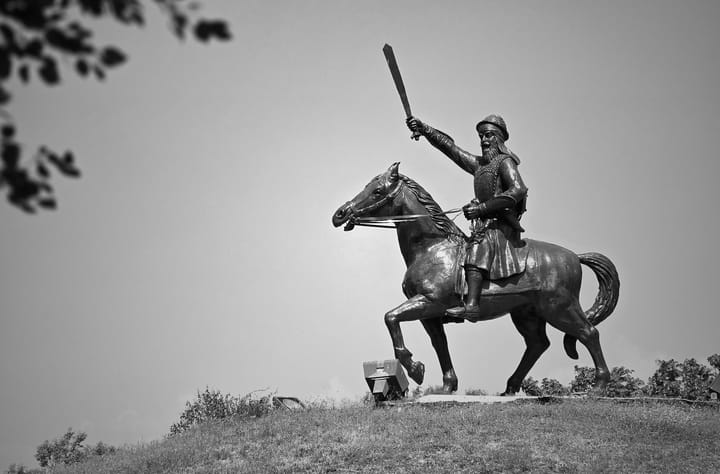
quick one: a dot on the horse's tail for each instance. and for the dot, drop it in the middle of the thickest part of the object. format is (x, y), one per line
(607, 296)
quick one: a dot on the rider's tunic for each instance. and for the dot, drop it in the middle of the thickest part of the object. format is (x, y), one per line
(495, 244)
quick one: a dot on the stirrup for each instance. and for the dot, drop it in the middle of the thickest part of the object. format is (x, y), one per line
(464, 312)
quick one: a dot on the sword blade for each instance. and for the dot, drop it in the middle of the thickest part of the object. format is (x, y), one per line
(399, 85)
(397, 78)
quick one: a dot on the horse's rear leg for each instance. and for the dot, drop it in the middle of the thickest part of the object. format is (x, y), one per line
(573, 321)
(532, 329)
(417, 307)
(436, 331)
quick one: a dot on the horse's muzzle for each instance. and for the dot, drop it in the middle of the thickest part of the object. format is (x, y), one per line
(343, 215)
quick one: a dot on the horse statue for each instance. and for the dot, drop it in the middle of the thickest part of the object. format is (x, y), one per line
(433, 246)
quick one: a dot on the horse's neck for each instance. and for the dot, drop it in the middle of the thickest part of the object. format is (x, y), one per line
(416, 237)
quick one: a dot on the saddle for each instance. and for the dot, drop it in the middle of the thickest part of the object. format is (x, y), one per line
(518, 283)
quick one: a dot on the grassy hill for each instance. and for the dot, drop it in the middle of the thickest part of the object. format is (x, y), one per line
(570, 436)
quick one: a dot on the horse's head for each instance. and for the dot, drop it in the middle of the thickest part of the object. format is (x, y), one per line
(374, 200)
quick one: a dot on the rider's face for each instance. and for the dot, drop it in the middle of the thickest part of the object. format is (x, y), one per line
(488, 139)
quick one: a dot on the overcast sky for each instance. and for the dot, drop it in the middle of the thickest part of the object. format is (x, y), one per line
(197, 249)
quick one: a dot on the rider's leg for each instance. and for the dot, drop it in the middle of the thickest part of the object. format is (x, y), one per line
(474, 278)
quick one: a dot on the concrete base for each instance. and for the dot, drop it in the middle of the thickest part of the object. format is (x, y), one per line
(486, 399)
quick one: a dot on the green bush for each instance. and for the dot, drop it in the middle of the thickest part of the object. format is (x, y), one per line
(583, 381)
(69, 449)
(531, 387)
(551, 387)
(213, 405)
(475, 391)
(690, 379)
(623, 384)
(714, 361)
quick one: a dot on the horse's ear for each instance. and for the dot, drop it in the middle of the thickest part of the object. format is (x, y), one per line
(393, 171)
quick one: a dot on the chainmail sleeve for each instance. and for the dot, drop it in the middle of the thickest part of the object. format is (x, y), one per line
(443, 142)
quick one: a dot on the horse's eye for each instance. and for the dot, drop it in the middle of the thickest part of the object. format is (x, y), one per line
(378, 191)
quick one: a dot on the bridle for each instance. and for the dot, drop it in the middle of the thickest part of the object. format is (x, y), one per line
(387, 222)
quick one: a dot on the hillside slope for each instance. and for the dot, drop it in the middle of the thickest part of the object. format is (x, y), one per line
(572, 436)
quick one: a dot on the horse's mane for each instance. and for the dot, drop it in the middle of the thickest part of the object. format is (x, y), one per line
(440, 219)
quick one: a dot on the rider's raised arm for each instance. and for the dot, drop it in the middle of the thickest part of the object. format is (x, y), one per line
(443, 142)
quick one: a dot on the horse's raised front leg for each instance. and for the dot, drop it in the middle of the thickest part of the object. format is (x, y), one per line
(436, 331)
(417, 307)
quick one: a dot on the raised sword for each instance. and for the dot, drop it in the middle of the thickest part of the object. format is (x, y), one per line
(397, 78)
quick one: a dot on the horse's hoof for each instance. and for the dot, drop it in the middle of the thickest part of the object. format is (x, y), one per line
(450, 382)
(417, 372)
(510, 391)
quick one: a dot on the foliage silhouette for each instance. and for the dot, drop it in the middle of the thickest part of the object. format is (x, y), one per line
(690, 379)
(213, 405)
(69, 449)
(38, 38)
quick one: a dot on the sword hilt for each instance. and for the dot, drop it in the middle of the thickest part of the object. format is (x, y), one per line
(415, 135)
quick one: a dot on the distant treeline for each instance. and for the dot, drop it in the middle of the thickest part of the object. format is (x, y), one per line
(689, 380)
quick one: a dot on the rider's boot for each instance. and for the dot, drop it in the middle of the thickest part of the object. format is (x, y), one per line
(470, 309)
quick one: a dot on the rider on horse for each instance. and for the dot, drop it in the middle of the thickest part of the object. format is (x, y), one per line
(495, 249)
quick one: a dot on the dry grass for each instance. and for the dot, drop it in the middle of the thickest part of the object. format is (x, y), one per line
(572, 436)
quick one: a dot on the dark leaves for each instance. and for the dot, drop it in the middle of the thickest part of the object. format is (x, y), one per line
(72, 40)
(127, 11)
(64, 164)
(4, 96)
(82, 68)
(7, 131)
(99, 73)
(8, 34)
(205, 30)
(179, 23)
(34, 48)
(5, 63)
(42, 170)
(47, 203)
(112, 56)
(48, 71)
(93, 7)
(24, 73)
(42, 35)
(10, 154)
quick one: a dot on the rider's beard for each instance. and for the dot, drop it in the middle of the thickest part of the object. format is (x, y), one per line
(491, 152)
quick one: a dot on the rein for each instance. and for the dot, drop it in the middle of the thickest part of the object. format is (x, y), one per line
(381, 222)
(387, 222)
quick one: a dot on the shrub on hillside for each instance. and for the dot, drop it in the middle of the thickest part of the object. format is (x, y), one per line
(714, 361)
(475, 391)
(546, 387)
(690, 379)
(551, 387)
(622, 383)
(583, 381)
(213, 405)
(531, 387)
(69, 449)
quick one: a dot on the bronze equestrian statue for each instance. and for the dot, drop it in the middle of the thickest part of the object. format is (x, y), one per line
(545, 289)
